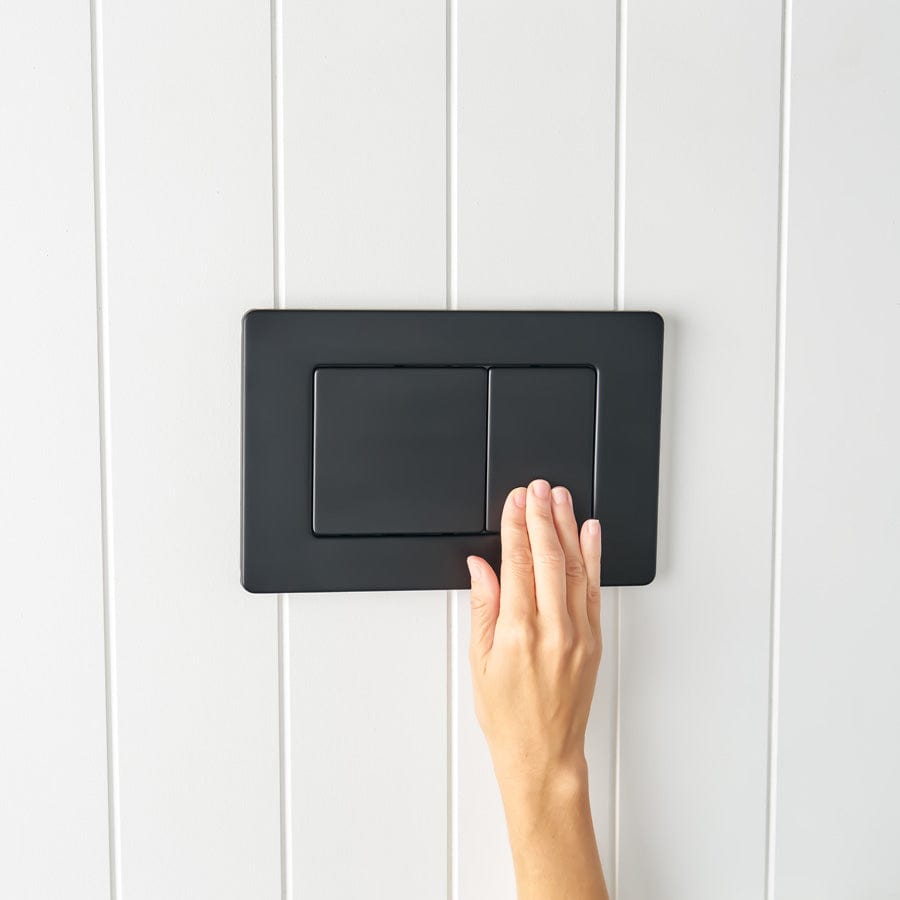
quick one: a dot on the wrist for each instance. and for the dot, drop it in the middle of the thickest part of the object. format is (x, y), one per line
(540, 791)
(551, 833)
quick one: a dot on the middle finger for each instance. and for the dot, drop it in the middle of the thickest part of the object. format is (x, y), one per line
(546, 551)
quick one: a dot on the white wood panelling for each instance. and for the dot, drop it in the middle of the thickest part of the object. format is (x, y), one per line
(536, 153)
(53, 792)
(369, 738)
(837, 814)
(407, 154)
(365, 225)
(536, 199)
(700, 246)
(188, 166)
(364, 132)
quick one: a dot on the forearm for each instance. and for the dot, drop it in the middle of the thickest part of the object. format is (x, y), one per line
(552, 838)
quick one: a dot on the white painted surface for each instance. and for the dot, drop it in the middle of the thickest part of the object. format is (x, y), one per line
(838, 816)
(364, 225)
(536, 151)
(53, 814)
(369, 717)
(215, 199)
(364, 135)
(189, 218)
(701, 216)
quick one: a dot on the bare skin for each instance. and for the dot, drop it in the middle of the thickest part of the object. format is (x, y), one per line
(534, 651)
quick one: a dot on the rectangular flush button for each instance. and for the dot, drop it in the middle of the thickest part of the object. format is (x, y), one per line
(399, 450)
(541, 425)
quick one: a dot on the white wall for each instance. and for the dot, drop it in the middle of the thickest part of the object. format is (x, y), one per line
(165, 166)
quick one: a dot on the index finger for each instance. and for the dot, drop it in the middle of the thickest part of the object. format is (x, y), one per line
(516, 565)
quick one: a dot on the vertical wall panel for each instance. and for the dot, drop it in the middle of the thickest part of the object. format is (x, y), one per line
(364, 130)
(187, 131)
(536, 153)
(369, 737)
(53, 812)
(536, 201)
(701, 247)
(838, 820)
(190, 248)
(364, 213)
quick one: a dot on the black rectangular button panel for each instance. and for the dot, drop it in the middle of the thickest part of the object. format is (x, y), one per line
(435, 451)
(377, 446)
(541, 424)
(399, 450)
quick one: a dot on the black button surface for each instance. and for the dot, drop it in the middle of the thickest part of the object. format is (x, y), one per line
(399, 450)
(541, 425)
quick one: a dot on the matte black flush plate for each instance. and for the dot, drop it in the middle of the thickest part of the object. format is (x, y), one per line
(378, 446)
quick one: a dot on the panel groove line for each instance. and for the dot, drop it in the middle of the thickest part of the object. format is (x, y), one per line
(282, 601)
(106, 481)
(452, 598)
(453, 641)
(778, 454)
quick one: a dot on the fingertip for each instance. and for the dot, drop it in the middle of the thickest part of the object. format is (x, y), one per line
(590, 535)
(564, 511)
(516, 498)
(514, 508)
(484, 602)
(540, 489)
(480, 571)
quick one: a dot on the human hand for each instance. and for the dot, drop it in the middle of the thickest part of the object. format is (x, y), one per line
(535, 643)
(534, 652)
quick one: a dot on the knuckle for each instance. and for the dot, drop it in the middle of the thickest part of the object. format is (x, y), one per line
(579, 657)
(519, 634)
(561, 640)
(575, 570)
(541, 513)
(593, 593)
(519, 558)
(550, 557)
(584, 650)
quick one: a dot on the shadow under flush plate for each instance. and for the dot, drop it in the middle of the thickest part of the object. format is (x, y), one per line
(378, 446)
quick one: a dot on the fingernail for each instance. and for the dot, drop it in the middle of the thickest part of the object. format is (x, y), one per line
(560, 495)
(474, 568)
(541, 489)
(593, 527)
(519, 497)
